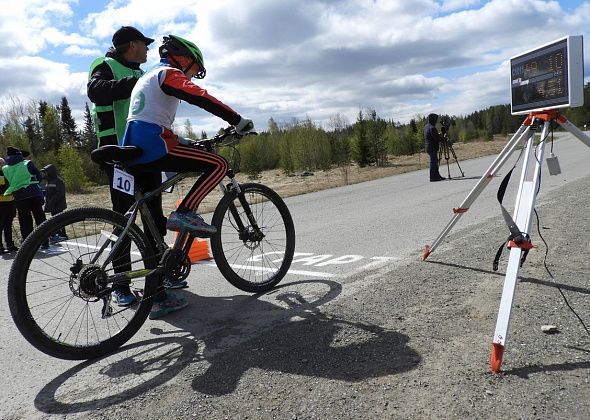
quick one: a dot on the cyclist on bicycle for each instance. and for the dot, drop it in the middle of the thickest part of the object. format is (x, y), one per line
(154, 102)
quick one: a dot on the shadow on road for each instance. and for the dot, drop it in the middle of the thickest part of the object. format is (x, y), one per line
(314, 347)
(525, 372)
(282, 331)
(534, 280)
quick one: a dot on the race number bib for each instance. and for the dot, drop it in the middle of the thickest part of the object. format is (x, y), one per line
(165, 177)
(124, 182)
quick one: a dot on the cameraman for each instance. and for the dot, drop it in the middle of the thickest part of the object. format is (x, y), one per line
(432, 141)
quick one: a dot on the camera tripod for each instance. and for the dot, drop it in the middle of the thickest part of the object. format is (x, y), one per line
(446, 150)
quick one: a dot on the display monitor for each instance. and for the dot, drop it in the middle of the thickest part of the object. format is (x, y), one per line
(548, 77)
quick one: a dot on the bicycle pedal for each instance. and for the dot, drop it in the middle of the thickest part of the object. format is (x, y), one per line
(107, 311)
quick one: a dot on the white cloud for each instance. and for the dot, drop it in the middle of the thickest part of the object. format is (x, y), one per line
(76, 50)
(289, 59)
(24, 80)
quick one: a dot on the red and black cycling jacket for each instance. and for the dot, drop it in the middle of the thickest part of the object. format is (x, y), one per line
(178, 85)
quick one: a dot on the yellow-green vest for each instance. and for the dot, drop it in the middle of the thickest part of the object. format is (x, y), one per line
(120, 107)
(18, 176)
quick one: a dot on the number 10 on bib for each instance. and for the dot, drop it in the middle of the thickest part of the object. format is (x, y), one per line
(124, 182)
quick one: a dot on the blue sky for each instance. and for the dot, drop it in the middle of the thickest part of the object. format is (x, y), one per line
(286, 59)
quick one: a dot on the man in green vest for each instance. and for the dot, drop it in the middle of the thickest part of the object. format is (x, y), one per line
(110, 81)
(22, 178)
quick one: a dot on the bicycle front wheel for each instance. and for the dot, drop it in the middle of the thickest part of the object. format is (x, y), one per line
(59, 287)
(253, 257)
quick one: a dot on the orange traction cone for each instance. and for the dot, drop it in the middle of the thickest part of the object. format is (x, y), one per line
(199, 249)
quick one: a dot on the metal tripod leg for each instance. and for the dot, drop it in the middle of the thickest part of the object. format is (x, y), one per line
(456, 161)
(524, 207)
(479, 187)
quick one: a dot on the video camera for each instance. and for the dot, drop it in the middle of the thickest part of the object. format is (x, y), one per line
(445, 124)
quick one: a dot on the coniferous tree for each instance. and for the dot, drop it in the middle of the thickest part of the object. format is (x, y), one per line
(360, 143)
(69, 130)
(42, 108)
(33, 132)
(50, 128)
(88, 139)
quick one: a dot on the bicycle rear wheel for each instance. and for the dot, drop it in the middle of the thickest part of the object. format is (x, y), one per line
(60, 296)
(253, 260)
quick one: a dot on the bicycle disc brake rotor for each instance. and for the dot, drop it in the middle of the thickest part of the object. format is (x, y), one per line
(252, 238)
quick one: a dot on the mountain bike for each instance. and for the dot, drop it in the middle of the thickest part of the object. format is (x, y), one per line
(60, 297)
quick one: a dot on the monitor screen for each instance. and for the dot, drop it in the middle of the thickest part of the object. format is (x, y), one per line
(548, 77)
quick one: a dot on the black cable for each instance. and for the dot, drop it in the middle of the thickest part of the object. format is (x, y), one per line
(553, 279)
(545, 242)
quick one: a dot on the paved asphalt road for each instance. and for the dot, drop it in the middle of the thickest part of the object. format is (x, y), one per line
(340, 232)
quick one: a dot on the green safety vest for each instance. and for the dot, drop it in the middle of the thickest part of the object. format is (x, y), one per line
(120, 107)
(18, 176)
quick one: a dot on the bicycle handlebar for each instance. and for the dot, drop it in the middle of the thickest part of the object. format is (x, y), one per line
(227, 132)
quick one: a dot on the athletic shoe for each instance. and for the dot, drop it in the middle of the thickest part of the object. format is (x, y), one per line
(172, 303)
(190, 221)
(58, 238)
(10, 249)
(124, 298)
(174, 284)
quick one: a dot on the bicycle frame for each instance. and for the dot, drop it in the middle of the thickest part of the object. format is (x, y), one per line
(184, 239)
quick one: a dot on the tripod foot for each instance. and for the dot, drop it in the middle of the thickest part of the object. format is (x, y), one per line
(426, 252)
(496, 357)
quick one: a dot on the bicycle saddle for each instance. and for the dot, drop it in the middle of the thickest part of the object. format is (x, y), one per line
(114, 154)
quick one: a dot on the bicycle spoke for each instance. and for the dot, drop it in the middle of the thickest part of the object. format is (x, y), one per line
(257, 256)
(65, 294)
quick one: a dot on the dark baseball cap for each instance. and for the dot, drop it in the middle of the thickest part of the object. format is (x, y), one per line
(127, 34)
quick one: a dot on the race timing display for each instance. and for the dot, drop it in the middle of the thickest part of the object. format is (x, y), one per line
(548, 77)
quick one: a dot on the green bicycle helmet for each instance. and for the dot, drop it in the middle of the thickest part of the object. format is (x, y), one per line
(175, 45)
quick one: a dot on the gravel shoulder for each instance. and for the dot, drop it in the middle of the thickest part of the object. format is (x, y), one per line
(405, 340)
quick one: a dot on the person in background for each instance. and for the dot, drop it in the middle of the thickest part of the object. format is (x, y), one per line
(55, 197)
(23, 180)
(7, 214)
(432, 140)
(110, 81)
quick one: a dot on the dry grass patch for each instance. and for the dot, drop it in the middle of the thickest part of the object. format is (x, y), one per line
(297, 184)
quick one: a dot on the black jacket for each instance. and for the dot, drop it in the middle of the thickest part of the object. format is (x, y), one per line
(55, 191)
(103, 89)
(432, 138)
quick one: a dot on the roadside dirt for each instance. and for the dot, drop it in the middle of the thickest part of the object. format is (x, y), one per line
(301, 183)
